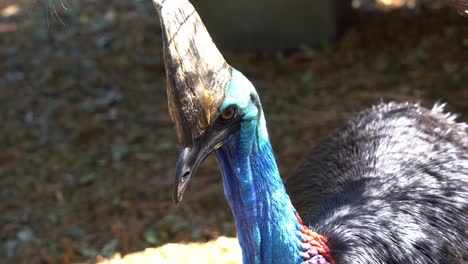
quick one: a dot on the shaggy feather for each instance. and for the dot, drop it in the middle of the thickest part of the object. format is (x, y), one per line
(391, 186)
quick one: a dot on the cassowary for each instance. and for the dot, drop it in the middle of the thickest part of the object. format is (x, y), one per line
(391, 186)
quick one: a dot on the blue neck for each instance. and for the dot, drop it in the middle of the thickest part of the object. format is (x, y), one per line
(267, 227)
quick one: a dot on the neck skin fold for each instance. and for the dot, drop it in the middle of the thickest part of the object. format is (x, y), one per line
(267, 226)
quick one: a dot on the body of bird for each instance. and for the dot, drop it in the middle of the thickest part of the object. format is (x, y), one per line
(389, 187)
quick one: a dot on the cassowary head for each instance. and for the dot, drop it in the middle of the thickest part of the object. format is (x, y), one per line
(209, 101)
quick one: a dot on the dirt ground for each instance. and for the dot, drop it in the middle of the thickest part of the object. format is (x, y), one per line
(87, 150)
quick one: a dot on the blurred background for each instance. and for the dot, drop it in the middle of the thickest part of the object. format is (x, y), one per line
(87, 149)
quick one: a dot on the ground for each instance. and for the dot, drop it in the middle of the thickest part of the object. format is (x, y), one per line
(88, 151)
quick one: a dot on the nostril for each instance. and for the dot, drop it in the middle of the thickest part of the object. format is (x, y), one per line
(184, 177)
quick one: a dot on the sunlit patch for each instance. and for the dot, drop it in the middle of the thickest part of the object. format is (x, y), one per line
(394, 3)
(220, 251)
(386, 2)
(10, 11)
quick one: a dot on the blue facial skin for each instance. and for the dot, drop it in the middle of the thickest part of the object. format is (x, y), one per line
(267, 227)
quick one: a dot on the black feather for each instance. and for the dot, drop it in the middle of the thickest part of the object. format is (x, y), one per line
(391, 186)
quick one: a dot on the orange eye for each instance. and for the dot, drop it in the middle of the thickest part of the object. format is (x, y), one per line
(228, 113)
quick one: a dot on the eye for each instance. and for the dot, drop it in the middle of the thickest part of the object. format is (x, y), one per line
(228, 113)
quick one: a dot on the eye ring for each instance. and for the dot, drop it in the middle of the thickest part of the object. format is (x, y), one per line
(228, 113)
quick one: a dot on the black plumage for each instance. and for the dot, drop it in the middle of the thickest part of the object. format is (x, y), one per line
(391, 186)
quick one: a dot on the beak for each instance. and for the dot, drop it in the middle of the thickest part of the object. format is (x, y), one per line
(191, 157)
